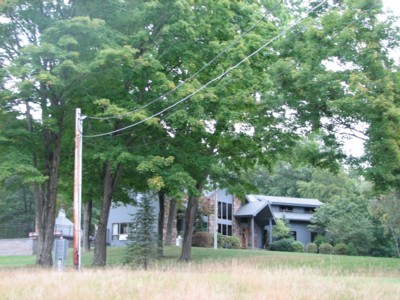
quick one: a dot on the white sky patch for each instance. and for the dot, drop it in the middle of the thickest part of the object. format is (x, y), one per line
(210, 126)
(245, 128)
(334, 64)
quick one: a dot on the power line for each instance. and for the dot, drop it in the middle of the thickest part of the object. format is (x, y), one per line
(196, 73)
(213, 80)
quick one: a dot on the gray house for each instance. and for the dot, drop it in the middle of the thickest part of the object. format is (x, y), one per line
(252, 221)
(257, 217)
(120, 219)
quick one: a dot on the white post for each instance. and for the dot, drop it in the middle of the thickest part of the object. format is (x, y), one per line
(77, 189)
(252, 232)
(216, 220)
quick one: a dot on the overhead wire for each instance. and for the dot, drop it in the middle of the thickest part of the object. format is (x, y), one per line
(241, 36)
(213, 80)
(349, 24)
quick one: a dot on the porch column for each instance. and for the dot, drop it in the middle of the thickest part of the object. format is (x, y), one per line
(252, 232)
(270, 232)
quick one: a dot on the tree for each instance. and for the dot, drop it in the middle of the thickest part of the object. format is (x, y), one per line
(386, 207)
(47, 51)
(281, 229)
(142, 247)
(16, 208)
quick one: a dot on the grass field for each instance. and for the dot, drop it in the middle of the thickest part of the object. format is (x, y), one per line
(212, 274)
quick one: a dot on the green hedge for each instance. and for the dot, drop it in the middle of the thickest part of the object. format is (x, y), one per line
(326, 248)
(312, 248)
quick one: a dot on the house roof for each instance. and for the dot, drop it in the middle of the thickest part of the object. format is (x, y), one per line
(250, 209)
(62, 220)
(274, 200)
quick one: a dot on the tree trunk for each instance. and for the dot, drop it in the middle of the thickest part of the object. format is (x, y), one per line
(161, 199)
(170, 222)
(109, 184)
(87, 218)
(46, 203)
(190, 219)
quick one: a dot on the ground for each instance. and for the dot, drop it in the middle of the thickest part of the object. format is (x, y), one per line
(212, 274)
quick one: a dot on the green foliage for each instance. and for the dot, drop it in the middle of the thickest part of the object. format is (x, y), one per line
(312, 248)
(142, 247)
(351, 249)
(231, 242)
(298, 246)
(227, 242)
(319, 239)
(17, 209)
(281, 229)
(326, 248)
(328, 187)
(201, 239)
(341, 249)
(282, 180)
(282, 245)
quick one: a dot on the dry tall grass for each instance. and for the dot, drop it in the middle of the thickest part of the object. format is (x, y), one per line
(235, 279)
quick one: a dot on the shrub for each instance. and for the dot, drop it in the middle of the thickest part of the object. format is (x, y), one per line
(231, 242)
(220, 239)
(340, 249)
(320, 239)
(326, 248)
(312, 248)
(298, 246)
(351, 249)
(201, 239)
(282, 245)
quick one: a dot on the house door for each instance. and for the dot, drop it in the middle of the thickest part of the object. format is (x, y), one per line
(244, 237)
(265, 239)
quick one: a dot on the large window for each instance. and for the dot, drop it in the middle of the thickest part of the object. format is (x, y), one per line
(224, 211)
(225, 217)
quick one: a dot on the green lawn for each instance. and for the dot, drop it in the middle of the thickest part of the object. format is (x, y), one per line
(267, 259)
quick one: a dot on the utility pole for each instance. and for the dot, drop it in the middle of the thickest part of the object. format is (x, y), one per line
(77, 189)
(216, 220)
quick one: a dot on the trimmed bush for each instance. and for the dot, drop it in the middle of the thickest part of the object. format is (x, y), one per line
(326, 248)
(298, 246)
(231, 242)
(201, 239)
(227, 242)
(312, 248)
(282, 245)
(340, 249)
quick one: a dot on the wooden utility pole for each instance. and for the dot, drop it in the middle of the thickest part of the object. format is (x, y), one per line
(77, 189)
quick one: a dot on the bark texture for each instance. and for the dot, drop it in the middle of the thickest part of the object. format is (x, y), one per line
(190, 218)
(109, 184)
(170, 222)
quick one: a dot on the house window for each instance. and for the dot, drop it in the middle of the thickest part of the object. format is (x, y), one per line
(224, 211)
(120, 231)
(225, 229)
(293, 234)
(309, 210)
(225, 216)
(286, 208)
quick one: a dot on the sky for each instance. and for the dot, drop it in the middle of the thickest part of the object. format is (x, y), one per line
(394, 5)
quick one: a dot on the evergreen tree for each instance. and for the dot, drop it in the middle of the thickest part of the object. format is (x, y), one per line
(143, 238)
